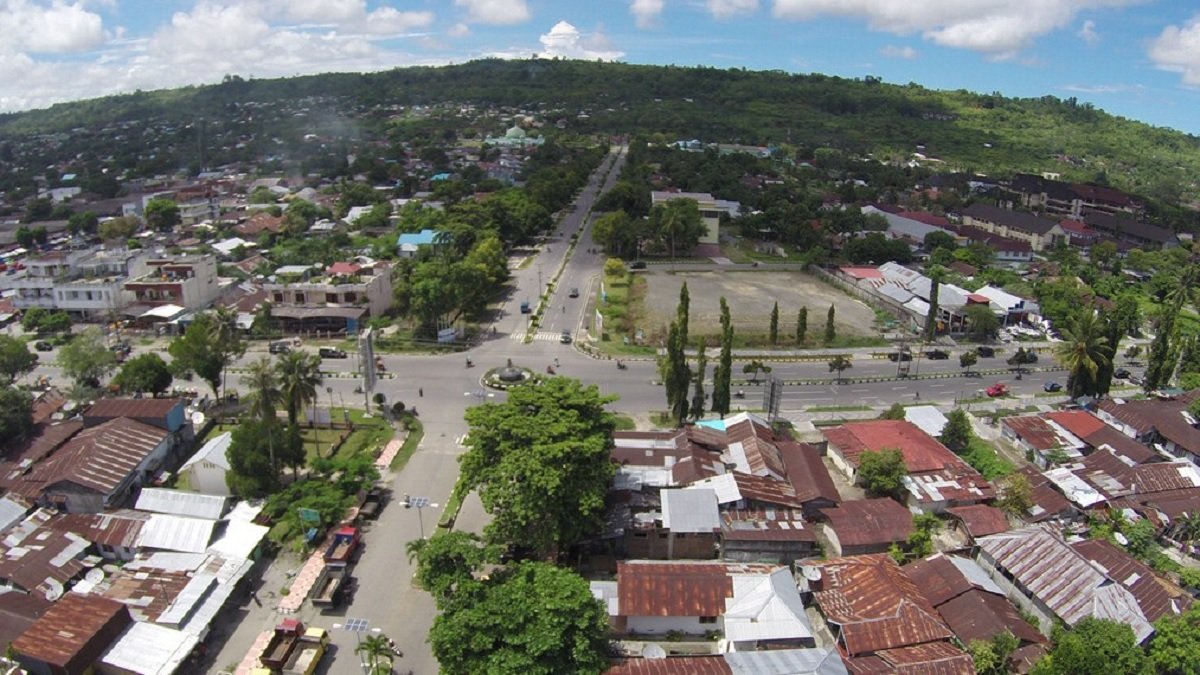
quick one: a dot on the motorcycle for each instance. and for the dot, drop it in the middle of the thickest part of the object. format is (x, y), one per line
(621, 366)
(549, 370)
(740, 394)
(470, 363)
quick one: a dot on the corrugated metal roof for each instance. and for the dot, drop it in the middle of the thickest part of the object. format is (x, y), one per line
(690, 511)
(921, 451)
(1061, 578)
(69, 632)
(104, 456)
(1155, 596)
(176, 533)
(979, 615)
(136, 408)
(180, 503)
(786, 662)
(863, 522)
(672, 665)
(150, 649)
(214, 450)
(647, 588)
(765, 525)
(766, 607)
(981, 519)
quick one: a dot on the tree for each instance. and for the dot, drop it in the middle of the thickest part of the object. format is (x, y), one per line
(830, 329)
(754, 368)
(681, 312)
(774, 329)
(1176, 643)
(1084, 352)
(981, 322)
(15, 359)
(895, 412)
(882, 473)
(1094, 646)
(1016, 496)
(540, 463)
(162, 214)
(83, 223)
(677, 377)
(257, 452)
(840, 363)
(25, 238)
(529, 619)
(299, 376)
(991, 656)
(207, 348)
(16, 415)
(677, 224)
(86, 359)
(966, 360)
(957, 433)
(939, 239)
(448, 561)
(264, 397)
(724, 371)
(698, 397)
(43, 321)
(1165, 348)
(147, 374)
(118, 229)
(920, 541)
(376, 652)
(801, 325)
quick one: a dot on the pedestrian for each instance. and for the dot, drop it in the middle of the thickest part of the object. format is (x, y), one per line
(420, 392)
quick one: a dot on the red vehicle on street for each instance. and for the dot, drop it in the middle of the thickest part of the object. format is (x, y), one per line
(998, 389)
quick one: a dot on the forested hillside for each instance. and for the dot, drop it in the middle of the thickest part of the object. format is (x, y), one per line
(987, 133)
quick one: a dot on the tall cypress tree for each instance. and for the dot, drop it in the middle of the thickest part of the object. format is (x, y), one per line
(801, 325)
(830, 330)
(723, 373)
(676, 375)
(681, 312)
(775, 324)
(701, 366)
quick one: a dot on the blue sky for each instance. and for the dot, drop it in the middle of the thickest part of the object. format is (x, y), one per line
(1135, 58)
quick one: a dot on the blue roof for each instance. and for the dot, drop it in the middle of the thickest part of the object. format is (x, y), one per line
(440, 176)
(717, 424)
(422, 238)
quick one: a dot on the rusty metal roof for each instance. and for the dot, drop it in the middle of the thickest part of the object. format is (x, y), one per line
(1156, 596)
(980, 615)
(1163, 416)
(875, 605)
(766, 525)
(74, 632)
(806, 472)
(862, 522)
(102, 457)
(646, 588)
(938, 579)
(921, 451)
(1036, 432)
(934, 658)
(981, 519)
(135, 408)
(118, 528)
(672, 665)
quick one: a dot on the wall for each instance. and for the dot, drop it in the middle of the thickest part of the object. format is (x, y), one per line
(207, 478)
(657, 545)
(661, 625)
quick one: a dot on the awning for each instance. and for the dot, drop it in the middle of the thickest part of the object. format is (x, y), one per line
(163, 312)
(285, 312)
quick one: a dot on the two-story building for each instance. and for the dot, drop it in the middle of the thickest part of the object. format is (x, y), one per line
(711, 209)
(1039, 232)
(87, 284)
(189, 283)
(338, 299)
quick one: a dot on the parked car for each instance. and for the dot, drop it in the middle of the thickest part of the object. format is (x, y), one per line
(1122, 374)
(637, 265)
(986, 352)
(280, 347)
(525, 308)
(574, 293)
(566, 337)
(1052, 386)
(331, 353)
(43, 346)
(937, 354)
(900, 356)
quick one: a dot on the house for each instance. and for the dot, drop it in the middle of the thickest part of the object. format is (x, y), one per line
(71, 636)
(1006, 249)
(905, 225)
(1044, 575)
(1039, 232)
(1162, 423)
(1041, 439)
(37, 560)
(880, 620)
(1014, 309)
(687, 529)
(86, 284)
(169, 414)
(101, 466)
(970, 603)
(334, 302)
(751, 606)
(979, 520)
(181, 503)
(259, 223)
(711, 210)
(409, 243)
(864, 526)
(189, 283)
(1048, 503)
(937, 478)
(769, 535)
(814, 661)
(205, 470)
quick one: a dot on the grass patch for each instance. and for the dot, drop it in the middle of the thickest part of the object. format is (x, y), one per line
(453, 506)
(662, 420)
(624, 423)
(416, 431)
(981, 455)
(838, 408)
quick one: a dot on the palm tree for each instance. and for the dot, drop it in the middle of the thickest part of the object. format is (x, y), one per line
(299, 376)
(376, 653)
(1084, 351)
(265, 396)
(224, 332)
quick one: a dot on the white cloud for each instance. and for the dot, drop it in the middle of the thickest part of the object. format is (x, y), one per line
(459, 30)
(495, 12)
(999, 28)
(565, 40)
(1104, 88)
(40, 27)
(723, 9)
(1177, 49)
(646, 12)
(1087, 33)
(895, 52)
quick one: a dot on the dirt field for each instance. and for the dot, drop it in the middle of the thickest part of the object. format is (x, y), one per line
(750, 296)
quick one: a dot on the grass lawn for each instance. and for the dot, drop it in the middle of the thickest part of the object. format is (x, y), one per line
(370, 433)
(981, 455)
(625, 423)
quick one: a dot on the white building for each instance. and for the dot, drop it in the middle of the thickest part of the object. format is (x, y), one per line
(205, 471)
(88, 284)
(189, 282)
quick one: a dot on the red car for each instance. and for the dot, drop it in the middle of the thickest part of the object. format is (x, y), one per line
(998, 389)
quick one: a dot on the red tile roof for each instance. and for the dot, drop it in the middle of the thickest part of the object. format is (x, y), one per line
(861, 272)
(866, 522)
(981, 519)
(875, 605)
(673, 665)
(344, 268)
(921, 451)
(73, 633)
(672, 589)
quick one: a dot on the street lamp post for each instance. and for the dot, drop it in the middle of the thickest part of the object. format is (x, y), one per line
(418, 503)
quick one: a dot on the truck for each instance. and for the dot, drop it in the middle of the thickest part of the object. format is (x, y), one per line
(372, 504)
(279, 649)
(341, 550)
(328, 589)
(308, 652)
